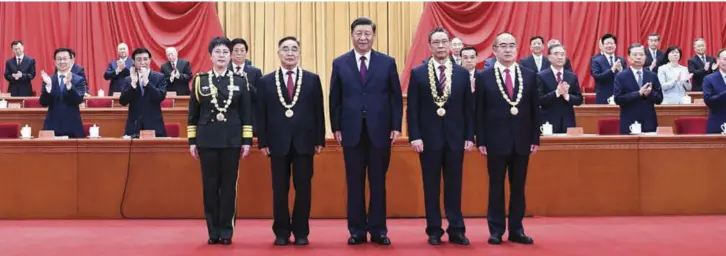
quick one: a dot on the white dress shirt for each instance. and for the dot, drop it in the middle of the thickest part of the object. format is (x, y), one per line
(504, 76)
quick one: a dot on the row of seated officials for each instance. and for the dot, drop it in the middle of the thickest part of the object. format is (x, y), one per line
(605, 126)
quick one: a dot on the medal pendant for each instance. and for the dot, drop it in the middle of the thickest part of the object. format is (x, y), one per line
(289, 113)
(514, 110)
(441, 112)
(220, 117)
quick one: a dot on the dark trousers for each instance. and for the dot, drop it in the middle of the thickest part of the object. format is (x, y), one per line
(358, 159)
(219, 180)
(498, 165)
(302, 175)
(434, 163)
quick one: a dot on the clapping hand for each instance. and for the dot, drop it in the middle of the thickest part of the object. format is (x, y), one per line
(69, 78)
(46, 80)
(646, 89)
(134, 77)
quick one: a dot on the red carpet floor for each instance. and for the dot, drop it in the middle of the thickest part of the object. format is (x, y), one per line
(618, 236)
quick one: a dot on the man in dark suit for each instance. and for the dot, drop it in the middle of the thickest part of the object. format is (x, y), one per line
(241, 66)
(537, 61)
(144, 91)
(489, 63)
(19, 71)
(366, 108)
(636, 92)
(61, 93)
(603, 69)
(468, 61)
(714, 95)
(507, 111)
(291, 131)
(701, 64)
(118, 70)
(559, 91)
(568, 65)
(77, 69)
(441, 126)
(653, 56)
(177, 72)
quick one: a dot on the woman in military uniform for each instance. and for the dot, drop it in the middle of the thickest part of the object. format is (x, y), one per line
(220, 132)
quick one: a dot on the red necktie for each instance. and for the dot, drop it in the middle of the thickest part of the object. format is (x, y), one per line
(508, 83)
(442, 78)
(290, 84)
(559, 77)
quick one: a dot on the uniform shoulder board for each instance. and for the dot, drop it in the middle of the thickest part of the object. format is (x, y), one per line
(202, 74)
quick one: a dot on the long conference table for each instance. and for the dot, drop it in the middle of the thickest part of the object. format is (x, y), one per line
(157, 178)
(112, 120)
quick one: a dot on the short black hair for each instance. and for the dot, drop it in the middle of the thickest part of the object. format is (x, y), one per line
(437, 30)
(62, 49)
(217, 41)
(73, 54)
(541, 39)
(362, 21)
(237, 41)
(288, 38)
(138, 51)
(674, 48)
(15, 43)
(654, 34)
(607, 36)
(718, 55)
(552, 47)
(633, 46)
(470, 48)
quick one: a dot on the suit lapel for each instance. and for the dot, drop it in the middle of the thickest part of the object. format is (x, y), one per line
(371, 67)
(552, 78)
(545, 63)
(353, 65)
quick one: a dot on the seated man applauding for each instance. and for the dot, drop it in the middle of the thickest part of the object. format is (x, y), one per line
(62, 93)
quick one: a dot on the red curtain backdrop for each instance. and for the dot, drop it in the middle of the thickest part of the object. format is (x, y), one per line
(577, 25)
(94, 30)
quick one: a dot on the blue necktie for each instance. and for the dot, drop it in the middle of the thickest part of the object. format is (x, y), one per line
(141, 86)
(63, 84)
(640, 79)
(612, 61)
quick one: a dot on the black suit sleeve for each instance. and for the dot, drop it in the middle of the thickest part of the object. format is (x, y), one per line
(261, 114)
(245, 113)
(74, 96)
(157, 89)
(621, 95)
(110, 72)
(28, 76)
(535, 111)
(656, 94)
(412, 111)
(46, 98)
(335, 99)
(193, 113)
(319, 113)
(479, 100)
(186, 74)
(575, 93)
(396, 97)
(8, 74)
(129, 93)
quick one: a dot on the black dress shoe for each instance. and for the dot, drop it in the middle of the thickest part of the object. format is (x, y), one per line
(353, 240)
(495, 239)
(226, 241)
(213, 241)
(301, 241)
(458, 239)
(382, 240)
(520, 238)
(434, 240)
(282, 241)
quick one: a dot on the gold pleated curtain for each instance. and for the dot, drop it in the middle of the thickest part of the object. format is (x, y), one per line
(323, 29)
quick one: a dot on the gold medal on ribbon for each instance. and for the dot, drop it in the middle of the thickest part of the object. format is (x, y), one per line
(513, 110)
(440, 101)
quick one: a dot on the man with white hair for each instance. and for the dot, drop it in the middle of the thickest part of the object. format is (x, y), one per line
(177, 72)
(552, 42)
(118, 69)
